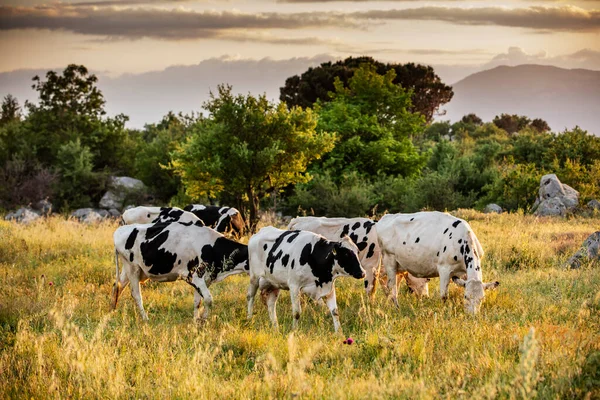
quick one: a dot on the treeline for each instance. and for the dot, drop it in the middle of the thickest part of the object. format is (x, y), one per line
(348, 138)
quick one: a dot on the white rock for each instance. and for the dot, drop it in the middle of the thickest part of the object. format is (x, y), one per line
(89, 215)
(492, 209)
(126, 184)
(23, 215)
(555, 198)
(111, 200)
(594, 204)
(551, 207)
(587, 252)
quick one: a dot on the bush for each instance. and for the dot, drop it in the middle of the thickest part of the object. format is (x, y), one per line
(517, 187)
(78, 185)
(353, 197)
(24, 182)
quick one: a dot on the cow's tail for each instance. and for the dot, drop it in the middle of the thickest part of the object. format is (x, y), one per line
(117, 266)
(116, 288)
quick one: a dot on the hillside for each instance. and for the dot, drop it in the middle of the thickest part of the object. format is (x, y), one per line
(563, 97)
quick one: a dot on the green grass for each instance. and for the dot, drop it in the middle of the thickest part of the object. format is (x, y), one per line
(537, 335)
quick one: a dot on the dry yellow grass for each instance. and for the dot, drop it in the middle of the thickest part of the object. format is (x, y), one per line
(537, 335)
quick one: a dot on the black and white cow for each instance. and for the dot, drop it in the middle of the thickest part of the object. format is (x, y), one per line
(146, 215)
(431, 244)
(364, 235)
(221, 219)
(299, 261)
(167, 251)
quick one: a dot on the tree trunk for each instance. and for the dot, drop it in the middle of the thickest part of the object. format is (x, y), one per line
(254, 206)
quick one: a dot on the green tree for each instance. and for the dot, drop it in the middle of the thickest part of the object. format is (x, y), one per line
(471, 119)
(74, 164)
(540, 125)
(575, 145)
(428, 92)
(516, 188)
(374, 125)
(10, 110)
(511, 123)
(71, 108)
(153, 155)
(248, 148)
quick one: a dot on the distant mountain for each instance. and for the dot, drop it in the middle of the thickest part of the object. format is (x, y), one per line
(565, 98)
(562, 97)
(147, 97)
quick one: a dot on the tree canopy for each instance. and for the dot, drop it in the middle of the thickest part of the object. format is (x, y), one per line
(374, 126)
(248, 148)
(428, 92)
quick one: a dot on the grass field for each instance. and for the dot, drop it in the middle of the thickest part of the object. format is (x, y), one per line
(538, 335)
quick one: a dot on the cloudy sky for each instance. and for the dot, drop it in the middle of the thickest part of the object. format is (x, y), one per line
(134, 36)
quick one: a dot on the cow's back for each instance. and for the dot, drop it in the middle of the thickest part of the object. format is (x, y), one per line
(330, 228)
(161, 248)
(423, 240)
(278, 253)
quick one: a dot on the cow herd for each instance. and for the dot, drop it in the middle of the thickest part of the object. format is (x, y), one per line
(166, 244)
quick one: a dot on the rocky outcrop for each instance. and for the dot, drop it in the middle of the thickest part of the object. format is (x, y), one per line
(23, 215)
(90, 215)
(587, 253)
(122, 188)
(111, 200)
(555, 198)
(492, 209)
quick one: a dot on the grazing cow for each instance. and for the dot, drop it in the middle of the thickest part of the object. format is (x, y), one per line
(430, 244)
(146, 215)
(299, 261)
(167, 251)
(221, 219)
(364, 235)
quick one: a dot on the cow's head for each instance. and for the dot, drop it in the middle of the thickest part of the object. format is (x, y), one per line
(345, 254)
(474, 292)
(418, 286)
(237, 224)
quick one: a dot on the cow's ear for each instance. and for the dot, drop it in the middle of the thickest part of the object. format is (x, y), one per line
(491, 285)
(458, 281)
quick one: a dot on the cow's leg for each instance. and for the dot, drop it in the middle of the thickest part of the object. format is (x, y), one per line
(444, 282)
(370, 277)
(252, 289)
(372, 267)
(197, 302)
(198, 296)
(390, 269)
(296, 308)
(332, 305)
(121, 283)
(136, 276)
(272, 296)
(207, 298)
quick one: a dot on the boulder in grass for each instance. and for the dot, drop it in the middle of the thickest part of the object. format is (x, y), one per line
(90, 215)
(122, 188)
(492, 209)
(555, 198)
(594, 204)
(23, 215)
(589, 251)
